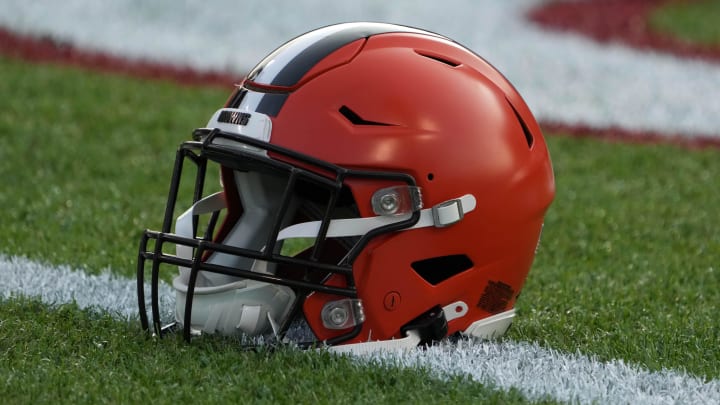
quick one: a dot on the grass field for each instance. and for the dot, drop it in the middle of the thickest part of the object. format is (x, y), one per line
(627, 269)
(693, 21)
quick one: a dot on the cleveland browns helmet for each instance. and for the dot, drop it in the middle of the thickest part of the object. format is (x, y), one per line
(381, 186)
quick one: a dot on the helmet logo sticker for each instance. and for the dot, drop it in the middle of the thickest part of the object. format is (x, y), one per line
(495, 297)
(234, 117)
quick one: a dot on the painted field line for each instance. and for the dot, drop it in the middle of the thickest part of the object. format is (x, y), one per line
(535, 371)
(57, 285)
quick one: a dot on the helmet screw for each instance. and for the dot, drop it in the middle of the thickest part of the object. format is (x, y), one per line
(389, 203)
(338, 316)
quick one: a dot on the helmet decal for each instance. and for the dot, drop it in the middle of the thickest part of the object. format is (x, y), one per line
(284, 68)
(289, 63)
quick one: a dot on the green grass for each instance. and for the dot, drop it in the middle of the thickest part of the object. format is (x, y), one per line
(628, 266)
(86, 160)
(693, 21)
(71, 356)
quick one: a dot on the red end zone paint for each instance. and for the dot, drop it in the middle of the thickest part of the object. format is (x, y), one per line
(623, 21)
(618, 134)
(604, 20)
(46, 49)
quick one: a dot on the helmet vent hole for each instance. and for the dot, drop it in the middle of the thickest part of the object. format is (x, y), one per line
(438, 58)
(430, 176)
(356, 119)
(438, 269)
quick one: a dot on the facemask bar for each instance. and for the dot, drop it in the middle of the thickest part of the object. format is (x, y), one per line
(228, 149)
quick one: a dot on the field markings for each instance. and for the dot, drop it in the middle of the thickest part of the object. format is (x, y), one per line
(535, 371)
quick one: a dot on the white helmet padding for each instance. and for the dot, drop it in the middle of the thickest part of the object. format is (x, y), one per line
(247, 306)
(227, 304)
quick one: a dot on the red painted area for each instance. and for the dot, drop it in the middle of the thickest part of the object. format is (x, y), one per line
(46, 50)
(623, 21)
(617, 134)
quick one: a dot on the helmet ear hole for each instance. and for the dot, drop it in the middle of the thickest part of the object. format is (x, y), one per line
(435, 270)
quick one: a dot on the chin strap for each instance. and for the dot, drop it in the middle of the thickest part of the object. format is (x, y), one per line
(439, 216)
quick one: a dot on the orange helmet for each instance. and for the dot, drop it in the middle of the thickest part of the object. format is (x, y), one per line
(380, 183)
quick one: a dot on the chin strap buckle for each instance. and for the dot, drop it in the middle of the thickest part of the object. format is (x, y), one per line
(447, 213)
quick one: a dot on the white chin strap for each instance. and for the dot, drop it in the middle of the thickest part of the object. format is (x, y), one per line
(255, 307)
(440, 216)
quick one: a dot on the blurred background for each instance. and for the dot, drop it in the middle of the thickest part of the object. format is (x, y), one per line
(593, 64)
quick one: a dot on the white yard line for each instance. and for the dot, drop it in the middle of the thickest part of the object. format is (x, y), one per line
(62, 284)
(535, 371)
(565, 78)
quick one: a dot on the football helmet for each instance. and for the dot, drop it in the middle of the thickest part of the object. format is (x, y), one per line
(381, 186)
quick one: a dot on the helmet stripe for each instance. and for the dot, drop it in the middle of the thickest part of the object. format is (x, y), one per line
(288, 64)
(293, 60)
